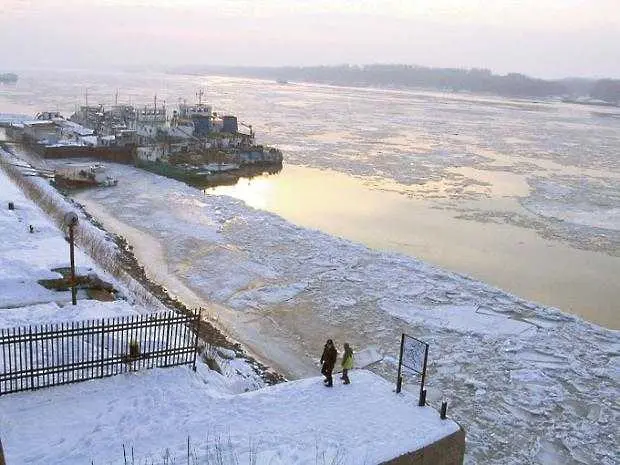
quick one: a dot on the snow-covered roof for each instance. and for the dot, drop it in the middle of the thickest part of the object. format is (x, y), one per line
(43, 122)
(75, 128)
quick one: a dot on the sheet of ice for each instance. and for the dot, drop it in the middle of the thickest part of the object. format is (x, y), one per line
(465, 319)
(293, 287)
(585, 209)
(154, 411)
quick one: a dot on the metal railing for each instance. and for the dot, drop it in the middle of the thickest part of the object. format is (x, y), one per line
(49, 355)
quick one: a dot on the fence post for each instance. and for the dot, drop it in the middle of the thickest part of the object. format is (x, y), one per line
(444, 408)
(32, 367)
(197, 321)
(4, 364)
(2, 462)
(102, 344)
(399, 377)
(422, 399)
(168, 324)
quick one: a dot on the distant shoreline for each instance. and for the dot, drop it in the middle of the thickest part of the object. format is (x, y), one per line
(405, 77)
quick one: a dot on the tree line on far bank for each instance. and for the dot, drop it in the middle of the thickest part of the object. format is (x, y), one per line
(445, 79)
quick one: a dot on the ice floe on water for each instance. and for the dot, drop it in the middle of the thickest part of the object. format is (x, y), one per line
(465, 318)
(580, 200)
(529, 383)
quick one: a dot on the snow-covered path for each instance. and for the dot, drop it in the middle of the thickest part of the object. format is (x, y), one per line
(530, 384)
(295, 422)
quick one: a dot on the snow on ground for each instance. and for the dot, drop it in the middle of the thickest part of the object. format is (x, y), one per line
(27, 257)
(53, 312)
(155, 411)
(295, 422)
(529, 383)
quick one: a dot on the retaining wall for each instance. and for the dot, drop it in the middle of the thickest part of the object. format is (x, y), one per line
(447, 451)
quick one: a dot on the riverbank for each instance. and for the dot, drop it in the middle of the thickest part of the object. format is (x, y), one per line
(145, 259)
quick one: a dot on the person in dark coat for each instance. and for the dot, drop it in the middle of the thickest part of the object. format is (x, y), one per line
(328, 359)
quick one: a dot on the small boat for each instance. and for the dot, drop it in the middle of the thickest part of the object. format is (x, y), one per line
(76, 176)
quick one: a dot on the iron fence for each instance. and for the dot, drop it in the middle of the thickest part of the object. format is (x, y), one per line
(34, 357)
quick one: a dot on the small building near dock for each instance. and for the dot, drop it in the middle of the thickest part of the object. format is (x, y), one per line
(40, 130)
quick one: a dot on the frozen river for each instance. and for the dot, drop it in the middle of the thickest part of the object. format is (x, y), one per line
(522, 195)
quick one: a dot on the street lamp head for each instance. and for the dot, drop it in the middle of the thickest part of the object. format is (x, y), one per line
(70, 219)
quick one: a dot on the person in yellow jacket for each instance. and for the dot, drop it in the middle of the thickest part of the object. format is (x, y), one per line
(347, 363)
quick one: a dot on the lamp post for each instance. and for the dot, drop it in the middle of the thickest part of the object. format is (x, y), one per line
(70, 220)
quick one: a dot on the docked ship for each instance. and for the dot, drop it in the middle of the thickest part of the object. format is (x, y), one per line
(190, 142)
(50, 135)
(196, 141)
(8, 77)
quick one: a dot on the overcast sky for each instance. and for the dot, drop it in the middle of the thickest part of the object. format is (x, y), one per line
(545, 38)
